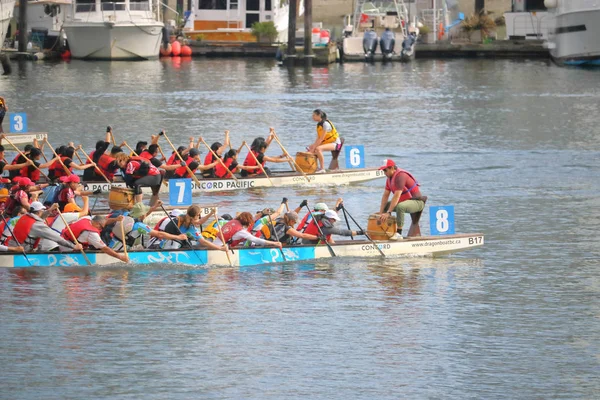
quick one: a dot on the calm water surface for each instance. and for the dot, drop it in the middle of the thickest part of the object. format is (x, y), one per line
(514, 146)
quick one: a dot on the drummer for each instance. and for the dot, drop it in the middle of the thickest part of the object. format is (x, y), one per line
(327, 139)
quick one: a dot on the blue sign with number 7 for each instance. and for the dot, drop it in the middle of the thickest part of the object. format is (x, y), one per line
(180, 192)
(18, 122)
(441, 220)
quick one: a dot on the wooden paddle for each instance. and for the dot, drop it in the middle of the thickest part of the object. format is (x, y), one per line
(187, 167)
(26, 158)
(222, 237)
(74, 238)
(366, 234)
(130, 149)
(57, 156)
(257, 163)
(14, 238)
(290, 157)
(123, 238)
(92, 161)
(218, 158)
(276, 237)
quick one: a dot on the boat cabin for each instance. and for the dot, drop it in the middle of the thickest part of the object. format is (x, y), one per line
(528, 20)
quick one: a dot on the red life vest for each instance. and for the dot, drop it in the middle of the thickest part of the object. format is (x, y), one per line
(78, 227)
(182, 172)
(104, 165)
(50, 220)
(2, 226)
(230, 229)
(159, 223)
(410, 185)
(312, 229)
(251, 162)
(56, 170)
(13, 200)
(209, 159)
(146, 155)
(174, 159)
(33, 175)
(22, 229)
(141, 167)
(220, 171)
(303, 224)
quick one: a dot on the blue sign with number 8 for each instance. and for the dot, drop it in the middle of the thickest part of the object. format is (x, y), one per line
(355, 156)
(441, 220)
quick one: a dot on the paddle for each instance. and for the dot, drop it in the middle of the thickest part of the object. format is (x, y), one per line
(179, 230)
(73, 236)
(290, 157)
(57, 156)
(92, 161)
(321, 232)
(217, 158)
(26, 158)
(277, 237)
(15, 239)
(130, 149)
(347, 223)
(222, 237)
(258, 163)
(365, 232)
(124, 238)
(187, 167)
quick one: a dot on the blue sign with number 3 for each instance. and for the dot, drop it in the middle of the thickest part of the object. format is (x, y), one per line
(355, 157)
(18, 122)
(180, 192)
(441, 220)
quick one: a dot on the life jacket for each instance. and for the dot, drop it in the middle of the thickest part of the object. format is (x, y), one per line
(411, 185)
(211, 232)
(13, 200)
(2, 227)
(56, 170)
(209, 159)
(50, 220)
(17, 160)
(312, 228)
(220, 170)
(63, 199)
(251, 162)
(28, 173)
(159, 225)
(330, 137)
(146, 155)
(142, 168)
(22, 229)
(78, 227)
(304, 223)
(103, 164)
(182, 172)
(229, 229)
(268, 230)
(173, 159)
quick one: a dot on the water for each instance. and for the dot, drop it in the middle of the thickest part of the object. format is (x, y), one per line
(514, 146)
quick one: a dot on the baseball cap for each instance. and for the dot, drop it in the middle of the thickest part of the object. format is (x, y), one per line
(138, 210)
(176, 213)
(321, 207)
(24, 181)
(37, 206)
(226, 217)
(387, 164)
(331, 214)
(72, 207)
(70, 179)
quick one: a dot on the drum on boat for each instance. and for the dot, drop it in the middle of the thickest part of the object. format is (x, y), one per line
(121, 198)
(378, 231)
(306, 161)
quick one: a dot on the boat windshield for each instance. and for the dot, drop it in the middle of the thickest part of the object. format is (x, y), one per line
(85, 6)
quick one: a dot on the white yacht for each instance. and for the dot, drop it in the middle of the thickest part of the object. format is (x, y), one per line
(574, 30)
(6, 13)
(106, 30)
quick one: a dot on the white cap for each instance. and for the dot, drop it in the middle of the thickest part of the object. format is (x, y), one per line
(331, 214)
(37, 206)
(176, 213)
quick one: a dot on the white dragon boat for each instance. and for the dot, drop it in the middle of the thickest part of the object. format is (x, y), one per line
(415, 246)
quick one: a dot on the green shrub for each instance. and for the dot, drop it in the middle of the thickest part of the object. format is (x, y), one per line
(265, 31)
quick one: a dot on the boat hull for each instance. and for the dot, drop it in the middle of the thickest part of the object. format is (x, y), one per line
(573, 37)
(420, 246)
(343, 177)
(114, 41)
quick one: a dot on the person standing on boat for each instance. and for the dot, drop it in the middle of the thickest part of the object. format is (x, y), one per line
(3, 110)
(328, 138)
(87, 231)
(328, 226)
(139, 173)
(406, 196)
(218, 149)
(236, 232)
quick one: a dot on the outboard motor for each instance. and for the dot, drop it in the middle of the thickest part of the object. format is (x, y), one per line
(386, 43)
(408, 46)
(370, 43)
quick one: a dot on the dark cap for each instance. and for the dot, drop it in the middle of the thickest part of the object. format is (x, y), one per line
(194, 152)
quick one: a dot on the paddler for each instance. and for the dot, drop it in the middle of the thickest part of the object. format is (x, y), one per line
(235, 232)
(328, 138)
(406, 196)
(257, 152)
(105, 163)
(30, 171)
(327, 225)
(218, 149)
(57, 171)
(282, 229)
(192, 162)
(4, 166)
(139, 173)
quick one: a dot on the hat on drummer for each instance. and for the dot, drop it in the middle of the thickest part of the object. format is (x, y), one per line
(387, 164)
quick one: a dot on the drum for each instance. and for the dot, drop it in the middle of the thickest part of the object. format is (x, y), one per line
(306, 161)
(121, 198)
(378, 231)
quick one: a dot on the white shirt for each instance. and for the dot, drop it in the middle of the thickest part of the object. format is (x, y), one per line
(91, 238)
(58, 225)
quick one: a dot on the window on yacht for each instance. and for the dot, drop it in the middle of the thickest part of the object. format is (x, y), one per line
(85, 6)
(139, 5)
(213, 5)
(111, 5)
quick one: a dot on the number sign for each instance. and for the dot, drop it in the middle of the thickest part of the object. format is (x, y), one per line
(441, 220)
(355, 157)
(18, 122)
(180, 192)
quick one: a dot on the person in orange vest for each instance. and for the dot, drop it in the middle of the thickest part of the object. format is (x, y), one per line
(31, 228)
(406, 196)
(104, 162)
(87, 231)
(328, 138)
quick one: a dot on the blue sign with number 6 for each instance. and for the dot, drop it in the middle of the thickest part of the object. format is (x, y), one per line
(355, 157)
(441, 220)
(180, 192)
(18, 122)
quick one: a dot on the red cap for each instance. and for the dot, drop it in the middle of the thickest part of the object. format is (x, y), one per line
(387, 163)
(70, 179)
(4, 180)
(24, 181)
